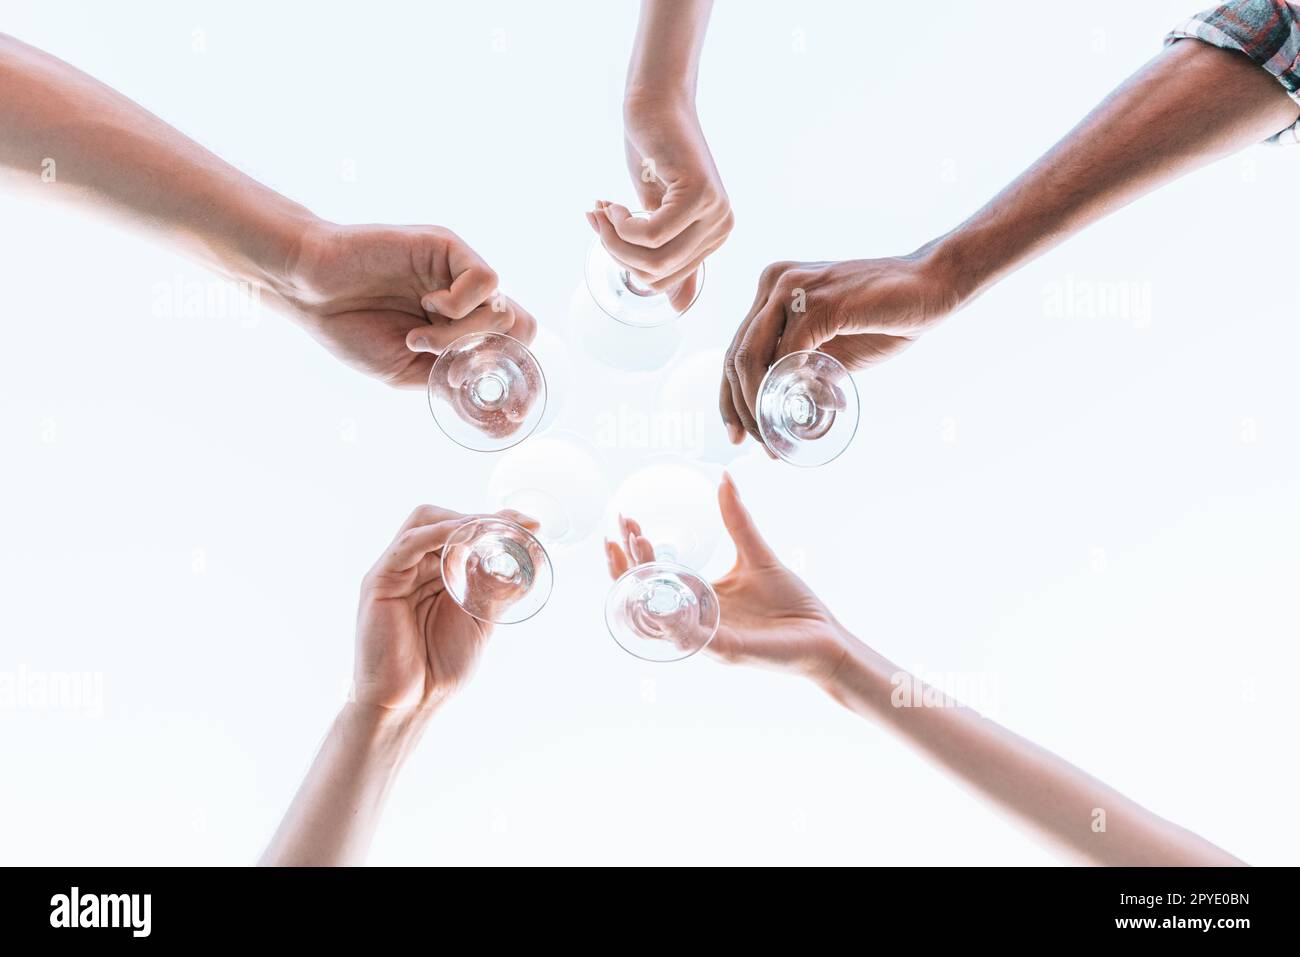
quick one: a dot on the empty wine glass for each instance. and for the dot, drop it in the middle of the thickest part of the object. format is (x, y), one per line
(662, 608)
(496, 571)
(487, 392)
(662, 611)
(621, 297)
(807, 408)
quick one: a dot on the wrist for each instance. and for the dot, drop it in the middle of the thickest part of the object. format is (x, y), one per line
(647, 98)
(861, 679)
(958, 263)
(389, 734)
(259, 238)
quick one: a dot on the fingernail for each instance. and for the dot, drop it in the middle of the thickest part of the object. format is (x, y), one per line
(420, 344)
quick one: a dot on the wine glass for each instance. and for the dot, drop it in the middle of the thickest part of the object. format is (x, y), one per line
(807, 408)
(496, 571)
(487, 392)
(663, 609)
(621, 297)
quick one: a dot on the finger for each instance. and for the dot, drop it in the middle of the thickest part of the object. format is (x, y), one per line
(437, 334)
(755, 354)
(750, 545)
(642, 549)
(689, 271)
(473, 281)
(524, 327)
(730, 417)
(747, 421)
(635, 544)
(427, 515)
(627, 530)
(414, 543)
(616, 559)
(657, 263)
(674, 214)
(681, 296)
(520, 519)
(727, 398)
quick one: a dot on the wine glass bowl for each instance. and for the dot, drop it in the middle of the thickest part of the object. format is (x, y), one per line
(661, 611)
(623, 298)
(487, 392)
(808, 408)
(496, 571)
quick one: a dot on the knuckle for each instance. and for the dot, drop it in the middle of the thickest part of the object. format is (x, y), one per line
(774, 272)
(421, 513)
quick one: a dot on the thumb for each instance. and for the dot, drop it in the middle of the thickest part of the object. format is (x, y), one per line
(420, 339)
(750, 546)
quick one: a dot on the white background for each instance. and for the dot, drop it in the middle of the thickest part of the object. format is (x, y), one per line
(1091, 512)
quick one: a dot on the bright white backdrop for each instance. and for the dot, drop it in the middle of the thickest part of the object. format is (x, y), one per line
(1083, 504)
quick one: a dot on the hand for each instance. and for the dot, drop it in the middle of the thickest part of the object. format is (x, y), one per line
(386, 299)
(859, 311)
(678, 184)
(415, 645)
(769, 616)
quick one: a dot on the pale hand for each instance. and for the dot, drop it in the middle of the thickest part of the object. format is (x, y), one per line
(415, 645)
(769, 616)
(386, 299)
(679, 185)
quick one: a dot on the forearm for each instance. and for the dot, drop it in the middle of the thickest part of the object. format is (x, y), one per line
(1073, 810)
(666, 55)
(70, 136)
(335, 813)
(1188, 107)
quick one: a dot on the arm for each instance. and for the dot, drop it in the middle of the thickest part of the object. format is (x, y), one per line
(771, 618)
(379, 297)
(1070, 809)
(1191, 105)
(333, 817)
(669, 160)
(415, 648)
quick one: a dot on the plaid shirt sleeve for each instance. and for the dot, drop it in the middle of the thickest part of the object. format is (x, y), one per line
(1267, 31)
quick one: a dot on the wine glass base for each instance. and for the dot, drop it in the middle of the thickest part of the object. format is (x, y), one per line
(496, 571)
(487, 392)
(808, 409)
(662, 612)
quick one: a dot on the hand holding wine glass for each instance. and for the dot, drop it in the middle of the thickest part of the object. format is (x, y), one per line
(768, 615)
